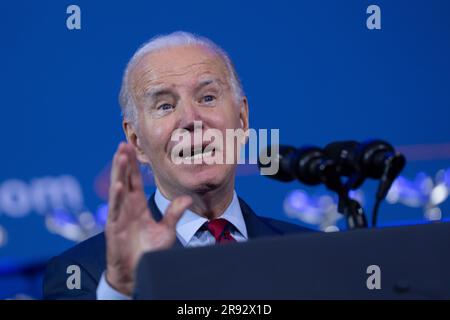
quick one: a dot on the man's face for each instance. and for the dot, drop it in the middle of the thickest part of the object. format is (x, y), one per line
(174, 87)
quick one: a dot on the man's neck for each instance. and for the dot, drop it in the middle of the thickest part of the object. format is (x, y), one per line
(210, 204)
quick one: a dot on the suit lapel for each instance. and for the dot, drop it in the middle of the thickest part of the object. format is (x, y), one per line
(256, 227)
(158, 216)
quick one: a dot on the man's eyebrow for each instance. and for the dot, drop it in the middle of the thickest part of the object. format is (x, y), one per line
(156, 92)
(206, 82)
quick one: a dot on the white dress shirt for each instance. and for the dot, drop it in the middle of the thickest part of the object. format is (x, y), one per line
(189, 234)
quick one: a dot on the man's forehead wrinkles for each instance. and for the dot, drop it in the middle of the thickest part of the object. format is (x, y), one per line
(163, 88)
(149, 78)
(154, 74)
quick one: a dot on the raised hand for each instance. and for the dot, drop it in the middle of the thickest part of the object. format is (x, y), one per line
(130, 228)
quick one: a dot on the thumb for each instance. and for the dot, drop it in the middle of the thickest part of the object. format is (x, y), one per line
(176, 210)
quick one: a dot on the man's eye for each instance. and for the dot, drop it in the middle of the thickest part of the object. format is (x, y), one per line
(208, 98)
(165, 106)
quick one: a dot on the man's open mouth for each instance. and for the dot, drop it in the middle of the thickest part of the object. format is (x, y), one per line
(198, 152)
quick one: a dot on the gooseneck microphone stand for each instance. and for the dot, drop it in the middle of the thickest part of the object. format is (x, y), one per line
(350, 208)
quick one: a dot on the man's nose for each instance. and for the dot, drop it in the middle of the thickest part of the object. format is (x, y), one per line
(189, 113)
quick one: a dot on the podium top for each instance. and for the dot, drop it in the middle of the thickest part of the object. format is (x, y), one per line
(410, 262)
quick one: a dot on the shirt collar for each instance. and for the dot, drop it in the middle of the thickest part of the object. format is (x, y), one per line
(190, 221)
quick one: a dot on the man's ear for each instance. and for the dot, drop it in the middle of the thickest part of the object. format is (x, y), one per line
(243, 116)
(133, 139)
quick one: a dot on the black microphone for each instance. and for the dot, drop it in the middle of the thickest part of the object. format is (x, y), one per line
(308, 164)
(376, 159)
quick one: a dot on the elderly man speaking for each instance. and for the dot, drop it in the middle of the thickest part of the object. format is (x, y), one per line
(171, 83)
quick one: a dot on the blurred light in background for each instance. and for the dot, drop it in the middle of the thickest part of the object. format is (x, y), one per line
(422, 192)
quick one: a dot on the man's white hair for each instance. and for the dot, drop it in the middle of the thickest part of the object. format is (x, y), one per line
(178, 38)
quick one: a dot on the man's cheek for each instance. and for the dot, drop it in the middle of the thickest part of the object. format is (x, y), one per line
(155, 137)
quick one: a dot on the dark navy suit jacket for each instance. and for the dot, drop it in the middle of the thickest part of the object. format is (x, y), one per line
(90, 255)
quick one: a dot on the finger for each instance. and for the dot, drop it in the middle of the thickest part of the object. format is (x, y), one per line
(119, 151)
(121, 170)
(135, 172)
(176, 210)
(117, 191)
(118, 187)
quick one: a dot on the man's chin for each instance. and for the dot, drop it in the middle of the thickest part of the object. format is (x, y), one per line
(202, 178)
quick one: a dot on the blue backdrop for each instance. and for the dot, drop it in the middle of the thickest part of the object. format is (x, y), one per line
(310, 68)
